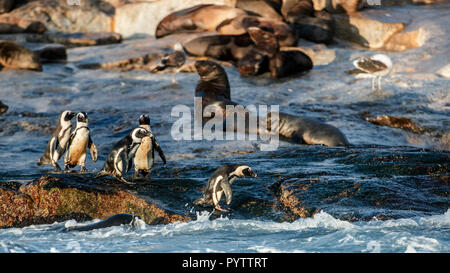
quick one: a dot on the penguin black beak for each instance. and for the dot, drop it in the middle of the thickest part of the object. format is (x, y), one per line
(71, 115)
(250, 172)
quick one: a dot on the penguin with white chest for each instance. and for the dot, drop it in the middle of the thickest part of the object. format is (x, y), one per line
(144, 158)
(57, 144)
(119, 160)
(220, 183)
(80, 140)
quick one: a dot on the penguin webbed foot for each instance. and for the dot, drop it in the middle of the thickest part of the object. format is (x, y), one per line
(219, 208)
(57, 167)
(83, 169)
(121, 179)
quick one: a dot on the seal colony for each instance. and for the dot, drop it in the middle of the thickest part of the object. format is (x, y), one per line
(254, 44)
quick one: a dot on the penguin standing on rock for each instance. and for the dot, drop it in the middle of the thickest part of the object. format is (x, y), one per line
(119, 160)
(175, 59)
(220, 183)
(145, 154)
(57, 144)
(79, 141)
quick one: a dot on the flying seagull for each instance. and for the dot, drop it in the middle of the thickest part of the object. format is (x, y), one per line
(373, 67)
(174, 59)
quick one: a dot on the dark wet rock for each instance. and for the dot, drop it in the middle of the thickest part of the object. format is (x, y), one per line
(417, 181)
(6, 5)
(3, 108)
(396, 122)
(67, 39)
(85, 38)
(10, 24)
(50, 198)
(314, 29)
(133, 54)
(48, 52)
(14, 56)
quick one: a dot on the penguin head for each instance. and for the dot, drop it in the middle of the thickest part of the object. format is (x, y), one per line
(138, 133)
(65, 117)
(144, 120)
(244, 170)
(82, 117)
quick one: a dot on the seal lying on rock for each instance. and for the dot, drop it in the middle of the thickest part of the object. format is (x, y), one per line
(198, 18)
(221, 47)
(239, 25)
(115, 220)
(267, 56)
(254, 53)
(14, 56)
(214, 89)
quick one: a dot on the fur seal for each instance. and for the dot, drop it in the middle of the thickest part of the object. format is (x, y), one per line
(254, 52)
(263, 8)
(119, 160)
(220, 183)
(199, 18)
(220, 47)
(14, 56)
(315, 26)
(267, 56)
(57, 144)
(144, 157)
(239, 25)
(112, 221)
(175, 59)
(80, 140)
(214, 89)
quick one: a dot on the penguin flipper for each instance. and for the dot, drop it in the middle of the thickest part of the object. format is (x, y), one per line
(160, 151)
(227, 190)
(92, 149)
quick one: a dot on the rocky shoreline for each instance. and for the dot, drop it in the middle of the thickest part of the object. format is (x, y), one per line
(117, 35)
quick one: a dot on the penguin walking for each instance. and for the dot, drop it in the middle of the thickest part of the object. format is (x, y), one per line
(220, 183)
(79, 141)
(57, 144)
(174, 59)
(144, 158)
(119, 160)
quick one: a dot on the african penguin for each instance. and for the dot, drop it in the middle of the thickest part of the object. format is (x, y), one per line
(79, 141)
(121, 157)
(57, 144)
(144, 157)
(174, 59)
(220, 182)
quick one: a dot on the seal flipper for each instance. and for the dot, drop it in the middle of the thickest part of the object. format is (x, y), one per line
(158, 148)
(92, 149)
